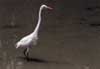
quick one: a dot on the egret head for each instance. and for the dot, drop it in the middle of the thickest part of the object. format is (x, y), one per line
(45, 6)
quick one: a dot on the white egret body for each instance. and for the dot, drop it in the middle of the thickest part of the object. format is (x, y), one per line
(32, 38)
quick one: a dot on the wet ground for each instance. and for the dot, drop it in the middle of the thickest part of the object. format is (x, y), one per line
(64, 42)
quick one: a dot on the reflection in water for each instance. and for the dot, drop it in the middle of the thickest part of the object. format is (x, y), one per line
(63, 44)
(34, 60)
(8, 62)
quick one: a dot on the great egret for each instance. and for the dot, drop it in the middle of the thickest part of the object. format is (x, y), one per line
(32, 38)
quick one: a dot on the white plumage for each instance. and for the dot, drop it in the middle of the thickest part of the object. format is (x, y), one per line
(32, 38)
(27, 41)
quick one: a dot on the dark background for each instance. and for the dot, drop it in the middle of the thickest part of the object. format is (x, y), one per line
(69, 35)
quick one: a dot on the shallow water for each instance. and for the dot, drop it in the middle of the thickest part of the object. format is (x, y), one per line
(63, 42)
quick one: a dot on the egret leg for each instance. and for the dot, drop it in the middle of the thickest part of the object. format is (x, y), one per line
(26, 52)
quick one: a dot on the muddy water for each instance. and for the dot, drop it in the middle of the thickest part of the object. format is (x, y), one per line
(63, 42)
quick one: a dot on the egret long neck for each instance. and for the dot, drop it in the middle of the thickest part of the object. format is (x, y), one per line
(39, 21)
